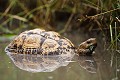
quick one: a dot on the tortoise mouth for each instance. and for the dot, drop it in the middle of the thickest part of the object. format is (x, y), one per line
(91, 48)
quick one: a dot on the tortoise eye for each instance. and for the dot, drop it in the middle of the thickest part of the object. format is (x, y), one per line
(88, 42)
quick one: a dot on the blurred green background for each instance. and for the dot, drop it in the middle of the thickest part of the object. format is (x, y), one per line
(100, 16)
(58, 15)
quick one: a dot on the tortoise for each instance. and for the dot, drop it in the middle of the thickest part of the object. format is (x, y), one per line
(39, 41)
(38, 50)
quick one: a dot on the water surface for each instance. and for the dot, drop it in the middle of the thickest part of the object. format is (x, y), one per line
(104, 65)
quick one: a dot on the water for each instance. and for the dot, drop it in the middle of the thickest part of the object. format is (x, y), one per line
(104, 65)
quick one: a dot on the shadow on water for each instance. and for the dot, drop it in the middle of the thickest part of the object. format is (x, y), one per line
(101, 66)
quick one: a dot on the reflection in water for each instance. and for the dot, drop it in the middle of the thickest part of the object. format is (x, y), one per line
(39, 63)
(88, 63)
(49, 63)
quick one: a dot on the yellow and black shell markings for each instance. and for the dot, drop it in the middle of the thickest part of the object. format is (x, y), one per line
(41, 42)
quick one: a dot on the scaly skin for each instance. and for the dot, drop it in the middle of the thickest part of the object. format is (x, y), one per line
(87, 47)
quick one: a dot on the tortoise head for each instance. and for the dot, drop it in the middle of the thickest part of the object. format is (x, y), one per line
(87, 47)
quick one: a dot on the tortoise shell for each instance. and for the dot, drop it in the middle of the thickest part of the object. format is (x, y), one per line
(38, 41)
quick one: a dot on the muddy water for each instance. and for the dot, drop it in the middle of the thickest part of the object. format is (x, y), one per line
(104, 65)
